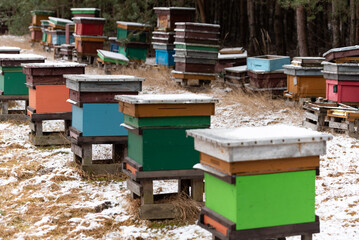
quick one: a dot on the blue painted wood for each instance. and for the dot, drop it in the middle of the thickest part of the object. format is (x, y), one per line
(114, 47)
(98, 119)
(61, 39)
(267, 62)
(164, 57)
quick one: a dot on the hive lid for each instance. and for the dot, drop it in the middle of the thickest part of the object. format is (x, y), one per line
(342, 49)
(88, 36)
(232, 56)
(53, 65)
(165, 98)
(12, 49)
(174, 8)
(197, 24)
(295, 67)
(42, 12)
(113, 55)
(102, 78)
(340, 64)
(59, 20)
(88, 18)
(255, 136)
(196, 44)
(133, 24)
(18, 57)
(237, 69)
(235, 50)
(85, 9)
(266, 72)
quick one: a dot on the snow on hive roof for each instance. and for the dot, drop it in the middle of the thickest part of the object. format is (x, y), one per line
(85, 9)
(237, 69)
(89, 18)
(55, 19)
(117, 56)
(102, 78)
(198, 24)
(174, 8)
(89, 36)
(165, 98)
(265, 72)
(232, 56)
(52, 64)
(343, 49)
(267, 135)
(341, 64)
(15, 57)
(296, 67)
(4, 48)
(133, 24)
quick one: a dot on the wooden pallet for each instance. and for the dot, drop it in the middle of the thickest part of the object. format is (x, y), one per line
(141, 186)
(192, 82)
(107, 66)
(83, 58)
(82, 148)
(9, 114)
(342, 121)
(224, 229)
(40, 138)
(315, 116)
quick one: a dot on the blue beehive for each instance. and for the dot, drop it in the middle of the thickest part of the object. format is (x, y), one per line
(94, 109)
(164, 57)
(267, 62)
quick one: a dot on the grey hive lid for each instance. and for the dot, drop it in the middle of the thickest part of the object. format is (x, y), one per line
(4, 48)
(53, 65)
(165, 98)
(255, 136)
(133, 24)
(85, 9)
(113, 55)
(62, 20)
(174, 8)
(295, 67)
(341, 64)
(198, 24)
(342, 49)
(17, 57)
(102, 78)
(89, 18)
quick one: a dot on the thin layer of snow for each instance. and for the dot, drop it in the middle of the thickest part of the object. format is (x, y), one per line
(341, 49)
(165, 98)
(198, 24)
(232, 56)
(136, 24)
(113, 55)
(59, 20)
(17, 57)
(174, 8)
(238, 69)
(85, 9)
(53, 64)
(5, 48)
(79, 19)
(194, 73)
(102, 78)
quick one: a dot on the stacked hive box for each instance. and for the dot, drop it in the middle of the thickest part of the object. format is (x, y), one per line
(196, 52)
(305, 78)
(95, 117)
(57, 34)
(88, 37)
(246, 169)
(158, 147)
(12, 81)
(163, 37)
(10, 50)
(132, 40)
(266, 74)
(236, 76)
(45, 25)
(85, 12)
(110, 60)
(342, 75)
(35, 28)
(47, 99)
(231, 57)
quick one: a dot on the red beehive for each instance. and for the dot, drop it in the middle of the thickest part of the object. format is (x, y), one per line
(89, 26)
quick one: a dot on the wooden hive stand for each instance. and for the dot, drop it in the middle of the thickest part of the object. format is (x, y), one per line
(156, 132)
(96, 119)
(343, 121)
(13, 81)
(110, 60)
(47, 100)
(246, 169)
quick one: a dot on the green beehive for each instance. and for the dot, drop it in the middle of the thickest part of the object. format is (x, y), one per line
(259, 177)
(133, 51)
(12, 79)
(133, 32)
(157, 128)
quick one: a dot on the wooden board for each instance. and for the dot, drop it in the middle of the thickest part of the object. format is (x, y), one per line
(95, 97)
(188, 75)
(166, 110)
(262, 166)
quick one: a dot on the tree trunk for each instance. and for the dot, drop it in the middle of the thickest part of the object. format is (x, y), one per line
(252, 29)
(278, 29)
(352, 22)
(243, 30)
(200, 4)
(301, 31)
(335, 24)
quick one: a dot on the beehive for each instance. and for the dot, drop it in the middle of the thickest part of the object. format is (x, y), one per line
(94, 109)
(86, 12)
(87, 44)
(264, 163)
(168, 16)
(89, 26)
(12, 79)
(38, 15)
(267, 62)
(157, 126)
(133, 31)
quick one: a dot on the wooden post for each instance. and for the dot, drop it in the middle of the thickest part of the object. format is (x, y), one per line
(197, 190)
(87, 154)
(183, 186)
(77, 159)
(38, 128)
(118, 152)
(147, 193)
(308, 236)
(4, 107)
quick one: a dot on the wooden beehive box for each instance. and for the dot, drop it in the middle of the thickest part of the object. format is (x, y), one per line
(111, 57)
(10, 50)
(157, 125)
(47, 86)
(94, 109)
(58, 37)
(344, 52)
(168, 16)
(38, 15)
(12, 79)
(89, 26)
(88, 45)
(267, 62)
(304, 82)
(59, 23)
(86, 12)
(248, 168)
(163, 37)
(308, 61)
(264, 79)
(133, 31)
(134, 51)
(197, 30)
(196, 46)
(35, 33)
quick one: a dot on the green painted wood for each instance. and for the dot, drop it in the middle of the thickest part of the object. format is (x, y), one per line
(201, 48)
(163, 149)
(13, 83)
(264, 200)
(111, 60)
(132, 35)
(173, 122)
(133, 53)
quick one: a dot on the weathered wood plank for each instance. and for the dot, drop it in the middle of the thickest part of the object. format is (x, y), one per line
(311, 116)
(157, 211)
(134, 187)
